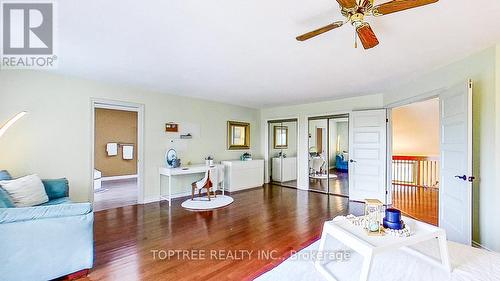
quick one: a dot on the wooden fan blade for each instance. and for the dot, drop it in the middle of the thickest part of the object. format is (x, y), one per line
(348, 4)
(366, 3)
(319, 31)
(367, 36)
(399, 5)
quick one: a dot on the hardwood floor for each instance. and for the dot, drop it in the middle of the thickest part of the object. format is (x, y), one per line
(116, 194)
(418, 202)
(273, 218)
(338, 185)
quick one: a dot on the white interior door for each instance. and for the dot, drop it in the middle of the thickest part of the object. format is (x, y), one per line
(455, 187)
(368, 154)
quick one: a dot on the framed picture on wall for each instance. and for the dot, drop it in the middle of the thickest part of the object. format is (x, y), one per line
(280, 137)
(238, 135)
(171, 127)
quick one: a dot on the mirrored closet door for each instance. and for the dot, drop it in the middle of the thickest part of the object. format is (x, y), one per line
(328, 154)
(283, 152)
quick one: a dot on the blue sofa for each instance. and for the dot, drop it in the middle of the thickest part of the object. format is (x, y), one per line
(341, 163)
(48, 241)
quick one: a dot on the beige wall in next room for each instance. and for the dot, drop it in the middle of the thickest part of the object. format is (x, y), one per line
(115, 126)
(415, 129)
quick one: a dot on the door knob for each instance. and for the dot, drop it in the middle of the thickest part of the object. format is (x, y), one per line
(352, 161)
(464, 177)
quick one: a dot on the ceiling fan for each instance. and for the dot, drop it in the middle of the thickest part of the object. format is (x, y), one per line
(355, 12)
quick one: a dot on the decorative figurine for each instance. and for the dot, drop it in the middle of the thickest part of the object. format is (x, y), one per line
(209, 160)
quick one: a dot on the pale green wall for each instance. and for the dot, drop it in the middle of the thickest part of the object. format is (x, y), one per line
(54, 139)
(483, 69)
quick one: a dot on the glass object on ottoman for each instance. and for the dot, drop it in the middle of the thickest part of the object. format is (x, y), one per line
(373, 216)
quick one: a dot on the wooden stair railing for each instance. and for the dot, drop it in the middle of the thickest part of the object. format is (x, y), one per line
(419, 171)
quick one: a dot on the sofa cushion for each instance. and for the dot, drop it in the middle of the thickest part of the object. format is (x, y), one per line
(26, 191)
(56, 188)
(44, 212)
(5, 200)
(57, 201)
(5, 176)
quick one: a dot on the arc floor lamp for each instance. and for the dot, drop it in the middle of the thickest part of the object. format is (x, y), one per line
(11, 122)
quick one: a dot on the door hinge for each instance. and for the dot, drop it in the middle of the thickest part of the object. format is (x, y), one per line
(386, 120)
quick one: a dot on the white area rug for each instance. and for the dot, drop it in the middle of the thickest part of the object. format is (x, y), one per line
(202, 203)
(468, 263)
(323, 176)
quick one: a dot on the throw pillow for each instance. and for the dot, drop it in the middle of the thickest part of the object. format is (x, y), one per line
(4, 175)
(26, 191)
(5, 200)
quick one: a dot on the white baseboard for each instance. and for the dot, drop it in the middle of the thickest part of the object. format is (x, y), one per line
(478, 245)
(114, 178)
(151, 200)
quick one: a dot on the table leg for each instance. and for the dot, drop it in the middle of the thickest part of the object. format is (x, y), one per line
(322, 242)
(319, 266)
(443, 251)
(365, 269)
(170, 191)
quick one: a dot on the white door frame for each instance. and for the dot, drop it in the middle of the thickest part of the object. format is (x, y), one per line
(125, 106)
(266, 147)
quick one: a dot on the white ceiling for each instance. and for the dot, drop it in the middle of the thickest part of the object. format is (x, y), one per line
(245, 52)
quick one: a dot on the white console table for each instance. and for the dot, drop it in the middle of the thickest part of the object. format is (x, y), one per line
(241, 175)
(187, 170)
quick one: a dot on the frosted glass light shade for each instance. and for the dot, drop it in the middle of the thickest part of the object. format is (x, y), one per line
(11, 122)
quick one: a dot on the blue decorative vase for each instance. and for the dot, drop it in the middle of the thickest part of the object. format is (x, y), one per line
(392, 219)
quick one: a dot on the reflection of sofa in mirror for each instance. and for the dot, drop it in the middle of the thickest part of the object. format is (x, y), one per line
(284, 169)
(341, 162)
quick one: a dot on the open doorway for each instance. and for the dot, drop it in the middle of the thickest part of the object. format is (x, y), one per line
(328, 154)
(415, 159)
(116, 153)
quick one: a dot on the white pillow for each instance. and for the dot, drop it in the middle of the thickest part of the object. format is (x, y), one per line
(26, 191)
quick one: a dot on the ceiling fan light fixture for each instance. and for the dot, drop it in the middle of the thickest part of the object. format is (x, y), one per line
(356, 10)
(357, 18)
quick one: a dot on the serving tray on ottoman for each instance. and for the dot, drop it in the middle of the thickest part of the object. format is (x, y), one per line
(356, 238)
